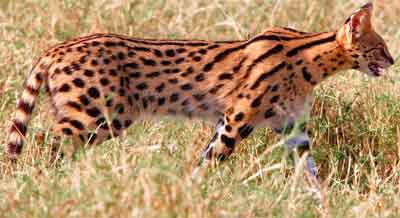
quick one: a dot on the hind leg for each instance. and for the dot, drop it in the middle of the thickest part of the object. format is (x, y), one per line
(94, 133)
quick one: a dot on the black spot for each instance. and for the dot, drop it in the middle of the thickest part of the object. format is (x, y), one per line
(82, 138)
(239, 116)
(157, 53)
(200, 77)
(104, 81)
(88, 73)
(136, 96)
(64, 88)
(215, 89)
(153, 74)
(148, 62)
(186, 86)
(109, 101)
(228, 128)
(245, 130)
(185, 102)
(204, 106)
(94, 62)
(132, 65)
(77, 124)
(257, 102)
(160, 87)
(269, 113)
(106, 61)
(174, 97)
(121, 55)
(75, 66)
(306, 75)
(19, 127)
(229, 142)
(39, 77)
(173, 81)
(109, 44)
(161, 101)
(67, 70)
(74, 105)
(93, 92)
(78, 82)
(180, 60)
(131, 54)
(113, 72)
(83, 59)
(135, 75)
(275, 88)
(181, 50)
(170, 53)
(121, 92)
(116, 124)
(84, 100)
(299, 62)
(192, 53)
(289, 67)
(145, 103)
(197, 58)
(92, 137)
(199, 96)
(316, 58)
(142, 86)
(93, 112)
(95, 43)
(224, 76)
(274, 99)
(67, 131)
(202, 51)
(166, 63)
(119, 108)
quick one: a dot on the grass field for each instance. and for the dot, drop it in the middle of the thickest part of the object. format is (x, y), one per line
(355, 122)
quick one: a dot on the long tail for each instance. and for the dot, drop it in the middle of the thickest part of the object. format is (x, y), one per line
(24, 109)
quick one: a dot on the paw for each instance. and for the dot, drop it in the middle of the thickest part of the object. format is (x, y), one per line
(301, 141)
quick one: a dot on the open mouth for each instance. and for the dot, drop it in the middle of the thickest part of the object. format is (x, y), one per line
(375, 69)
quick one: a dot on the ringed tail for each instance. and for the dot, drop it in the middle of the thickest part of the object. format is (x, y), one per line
(25, 106)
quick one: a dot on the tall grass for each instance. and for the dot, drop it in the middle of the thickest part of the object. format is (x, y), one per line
(147, 172)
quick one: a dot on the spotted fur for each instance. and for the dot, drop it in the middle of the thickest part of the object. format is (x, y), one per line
(100, 84)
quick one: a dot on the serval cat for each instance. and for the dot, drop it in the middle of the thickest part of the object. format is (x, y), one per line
(100, 84)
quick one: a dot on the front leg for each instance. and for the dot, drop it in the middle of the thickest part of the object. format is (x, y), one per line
(293, 130)
(301, 142)
(229, 131)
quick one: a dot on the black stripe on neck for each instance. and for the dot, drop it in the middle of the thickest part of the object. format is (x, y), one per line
(311, 44)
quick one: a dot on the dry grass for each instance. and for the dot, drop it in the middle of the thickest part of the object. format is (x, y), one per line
(147, 173)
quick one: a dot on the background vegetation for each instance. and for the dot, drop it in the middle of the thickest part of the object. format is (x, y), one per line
(147, 172)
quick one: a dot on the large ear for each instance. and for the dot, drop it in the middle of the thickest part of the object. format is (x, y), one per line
(357, 24)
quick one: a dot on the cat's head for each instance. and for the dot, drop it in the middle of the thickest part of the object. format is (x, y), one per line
(364, 47)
